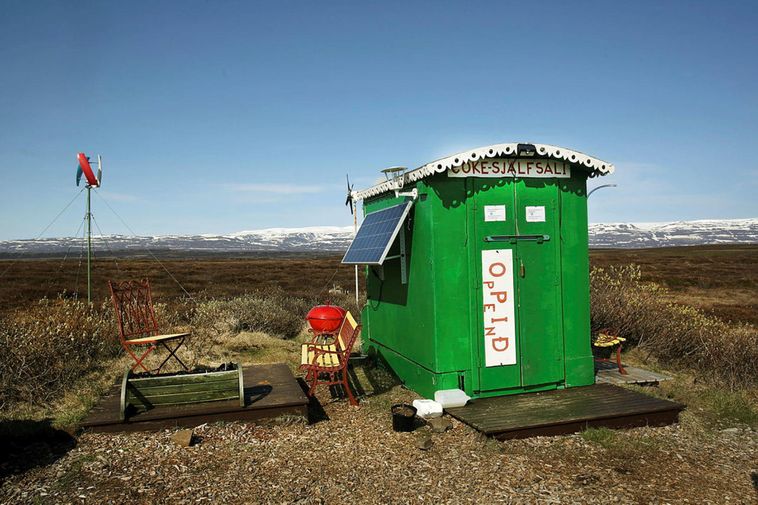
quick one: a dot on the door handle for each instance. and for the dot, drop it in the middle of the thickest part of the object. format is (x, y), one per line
(522, 270)
(513, 238)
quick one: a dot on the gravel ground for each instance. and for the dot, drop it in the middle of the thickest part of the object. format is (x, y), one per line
(355, 457)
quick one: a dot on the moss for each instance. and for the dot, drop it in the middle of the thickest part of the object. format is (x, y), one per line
(604, 437)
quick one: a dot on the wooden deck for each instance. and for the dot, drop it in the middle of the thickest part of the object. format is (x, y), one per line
(565, 411)
(270, 391)
(608, 373)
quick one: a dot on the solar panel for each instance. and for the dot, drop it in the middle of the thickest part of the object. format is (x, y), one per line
(376, 235)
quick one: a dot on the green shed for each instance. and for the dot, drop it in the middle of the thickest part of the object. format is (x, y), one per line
(477, 270)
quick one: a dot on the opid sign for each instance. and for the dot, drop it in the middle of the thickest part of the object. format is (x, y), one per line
(512, 167)
(499, 307)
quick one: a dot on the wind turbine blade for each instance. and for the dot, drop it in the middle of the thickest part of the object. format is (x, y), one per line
(78, 174)
(349, 199)
(87, 169)
(99, 171)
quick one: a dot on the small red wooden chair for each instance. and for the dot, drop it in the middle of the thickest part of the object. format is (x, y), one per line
(137, 326)
(326, 363)
(608, 338)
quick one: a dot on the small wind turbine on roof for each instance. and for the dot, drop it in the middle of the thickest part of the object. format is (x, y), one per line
(349, 199)
(85, 168)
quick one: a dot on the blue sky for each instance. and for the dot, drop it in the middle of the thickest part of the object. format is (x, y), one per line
(215, 117)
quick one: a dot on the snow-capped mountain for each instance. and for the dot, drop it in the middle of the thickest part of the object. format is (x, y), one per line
(337, 238)
(310, 239)
(680, 233)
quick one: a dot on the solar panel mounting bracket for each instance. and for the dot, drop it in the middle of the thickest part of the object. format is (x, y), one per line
(412, 193)
(378, 271)
(402, 257)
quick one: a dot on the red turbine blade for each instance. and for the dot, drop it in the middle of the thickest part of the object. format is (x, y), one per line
(88, 173)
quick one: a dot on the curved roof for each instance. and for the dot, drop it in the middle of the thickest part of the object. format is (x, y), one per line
(595, 166)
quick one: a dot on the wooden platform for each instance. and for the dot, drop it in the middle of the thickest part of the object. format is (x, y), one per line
(608, 373)
(270, 391)
(565, 411)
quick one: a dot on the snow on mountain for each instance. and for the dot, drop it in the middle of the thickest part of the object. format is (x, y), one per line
(679, 233)
(311, 239)
(337, 238)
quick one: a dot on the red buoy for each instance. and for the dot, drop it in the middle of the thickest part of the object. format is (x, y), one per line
(325, 318)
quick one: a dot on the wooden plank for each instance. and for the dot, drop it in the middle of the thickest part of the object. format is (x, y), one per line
(232, 383)
(610, 375)
(230, 392)
(184, 378)
(191, 421)
(544, 408)
(651, 419)
(561, 410)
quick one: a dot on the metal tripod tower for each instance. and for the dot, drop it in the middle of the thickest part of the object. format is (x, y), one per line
(92, 182)
(89, 244)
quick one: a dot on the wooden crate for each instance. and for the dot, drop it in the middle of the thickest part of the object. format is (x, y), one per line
(140, 394)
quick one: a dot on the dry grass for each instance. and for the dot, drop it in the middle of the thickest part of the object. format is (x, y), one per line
(204, 278)
(677, 335)
(48, 347)
(720, 280)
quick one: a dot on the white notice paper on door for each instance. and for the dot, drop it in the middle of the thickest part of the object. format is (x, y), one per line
(494, 213)
(498, 300)
(535, 214)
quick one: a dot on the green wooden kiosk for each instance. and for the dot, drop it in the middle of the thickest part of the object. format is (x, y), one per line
(477, 270)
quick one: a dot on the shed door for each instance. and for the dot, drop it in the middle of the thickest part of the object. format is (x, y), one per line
(517, 255)
(539, 282)
(497, 360)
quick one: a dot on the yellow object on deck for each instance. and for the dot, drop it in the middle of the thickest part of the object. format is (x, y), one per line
(604, 340)
(331, 358)
(324, 360)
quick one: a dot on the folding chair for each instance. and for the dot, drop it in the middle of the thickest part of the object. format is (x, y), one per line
(137, 326)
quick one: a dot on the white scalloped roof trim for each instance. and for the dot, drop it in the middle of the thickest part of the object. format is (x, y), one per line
(596, 167)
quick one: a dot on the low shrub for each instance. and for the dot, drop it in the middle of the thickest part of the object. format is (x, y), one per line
(677, 335)
(50, 345)
(272, 312)
(216, 322)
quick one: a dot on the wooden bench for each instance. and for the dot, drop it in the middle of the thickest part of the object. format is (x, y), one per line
(325, 362)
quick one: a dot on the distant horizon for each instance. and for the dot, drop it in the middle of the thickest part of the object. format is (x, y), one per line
(349, 228)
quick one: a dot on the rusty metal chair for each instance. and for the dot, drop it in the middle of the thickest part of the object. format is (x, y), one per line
(325, 363)
(137, 326)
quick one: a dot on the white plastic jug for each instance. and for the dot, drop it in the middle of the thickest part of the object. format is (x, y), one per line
(451, 398)
(427, 408)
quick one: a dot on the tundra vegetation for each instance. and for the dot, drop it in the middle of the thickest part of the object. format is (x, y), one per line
(61, 354)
